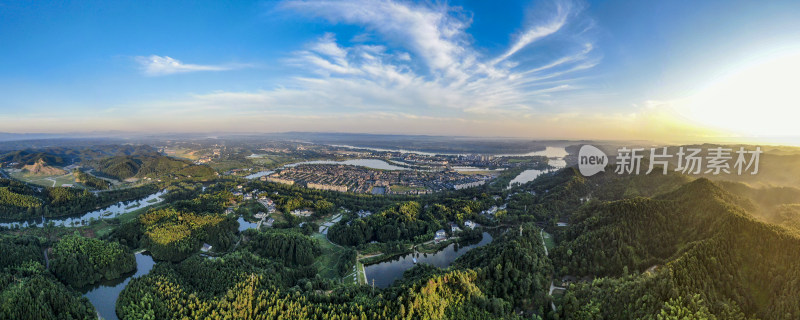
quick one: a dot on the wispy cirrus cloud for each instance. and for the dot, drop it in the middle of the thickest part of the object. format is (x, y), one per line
(155, 65)
(539, 31)
(429, 61)
(419, 60)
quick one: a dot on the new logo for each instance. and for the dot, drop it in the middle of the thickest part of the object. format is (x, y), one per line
(591, 160)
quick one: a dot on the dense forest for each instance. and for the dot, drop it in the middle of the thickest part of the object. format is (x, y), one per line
(22, 201)
(28, 290)
(152, 166)
(90, 180)
(79, 261)
(245, 286)
(624, 247)
(172, 235)
(705, 255)
(62, 156)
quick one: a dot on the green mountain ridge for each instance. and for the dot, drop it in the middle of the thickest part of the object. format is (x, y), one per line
(711, 252)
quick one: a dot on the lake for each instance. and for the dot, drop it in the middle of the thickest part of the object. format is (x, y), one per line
(103, 295)
(386, 272)
(108, 212)
(526, 176)
(550, 152)
(259, 174)
(555, 157)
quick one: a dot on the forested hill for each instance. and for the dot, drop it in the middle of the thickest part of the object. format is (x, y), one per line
(711, 258)
(62, 156)
(30, 157)
(152, 166)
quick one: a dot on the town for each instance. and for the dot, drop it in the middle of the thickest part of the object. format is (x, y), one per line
(348, 178)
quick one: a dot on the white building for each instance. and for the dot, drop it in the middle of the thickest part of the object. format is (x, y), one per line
(440, 235)
(470, 224)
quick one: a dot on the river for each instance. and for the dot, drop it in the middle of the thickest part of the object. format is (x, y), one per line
(103, 295)
(386, 272)
(83, 219)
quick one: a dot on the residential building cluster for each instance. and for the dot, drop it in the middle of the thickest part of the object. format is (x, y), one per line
(344, 178)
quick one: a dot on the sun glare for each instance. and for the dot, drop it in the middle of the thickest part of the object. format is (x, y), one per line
(761, 99)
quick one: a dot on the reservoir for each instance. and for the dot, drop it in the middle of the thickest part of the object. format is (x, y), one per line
(386, 272)
(103, 295)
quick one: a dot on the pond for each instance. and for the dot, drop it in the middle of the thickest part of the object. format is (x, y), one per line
(244, 224)
(79, 220)
(103, 295)
(385, 273)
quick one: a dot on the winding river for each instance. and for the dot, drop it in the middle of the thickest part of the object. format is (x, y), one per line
(82, 220)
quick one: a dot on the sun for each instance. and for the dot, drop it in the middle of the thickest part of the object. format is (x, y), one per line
(761, 99)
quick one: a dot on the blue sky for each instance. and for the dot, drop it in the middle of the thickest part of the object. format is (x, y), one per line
(541, 69)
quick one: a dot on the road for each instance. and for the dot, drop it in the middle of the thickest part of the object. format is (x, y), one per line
(46, 259)
(541, 233)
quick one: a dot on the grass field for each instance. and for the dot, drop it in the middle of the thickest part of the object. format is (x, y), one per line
(400, 189)
(225, 165)
(45, 181)
(519, 160)
(273, 160)
(102, 227)
(182, 153)
(326, 262)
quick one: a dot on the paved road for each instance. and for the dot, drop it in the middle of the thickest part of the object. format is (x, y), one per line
(541, 233)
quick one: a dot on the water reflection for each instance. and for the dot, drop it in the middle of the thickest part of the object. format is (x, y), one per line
(84, 219)
(244, 224)
(103, 295)
(385, 273)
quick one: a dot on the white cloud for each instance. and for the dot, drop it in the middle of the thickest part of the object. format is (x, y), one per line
(440, 68)
(430, 32)
(154, 65)
(418, 63)
(537, 32)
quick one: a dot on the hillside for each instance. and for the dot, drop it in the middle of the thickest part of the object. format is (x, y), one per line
(152, 166)
(710, 256)
(31, 157)
(62, 156)
(41, 168)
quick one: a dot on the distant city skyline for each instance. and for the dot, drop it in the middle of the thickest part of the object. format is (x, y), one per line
(667, 71)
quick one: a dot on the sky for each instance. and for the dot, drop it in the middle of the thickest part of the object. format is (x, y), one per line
(658, 70)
